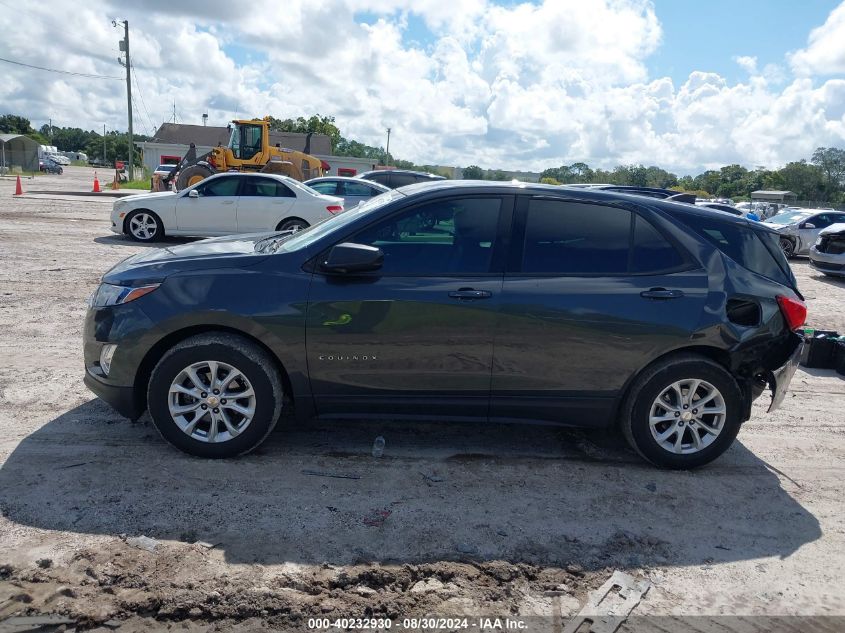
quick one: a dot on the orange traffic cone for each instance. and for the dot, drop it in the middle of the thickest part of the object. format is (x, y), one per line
(96, 184)
(18, 187)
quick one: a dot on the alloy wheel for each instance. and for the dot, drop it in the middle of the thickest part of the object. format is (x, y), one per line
(687, 416)
(143, 226)
(211, 401)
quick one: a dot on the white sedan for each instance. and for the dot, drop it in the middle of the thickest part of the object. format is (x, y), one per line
(223, 204)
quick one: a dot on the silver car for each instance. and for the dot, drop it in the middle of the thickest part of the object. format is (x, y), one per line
(352, 190)
(828, 253)
(799, 230)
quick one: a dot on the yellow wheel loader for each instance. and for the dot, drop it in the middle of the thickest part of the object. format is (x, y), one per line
(249, 150)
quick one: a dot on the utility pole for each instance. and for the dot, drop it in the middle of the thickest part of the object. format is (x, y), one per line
(387, 150)
(124, 46)
(104, 144)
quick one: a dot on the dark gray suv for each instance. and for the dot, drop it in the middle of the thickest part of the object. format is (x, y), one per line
(458, 300)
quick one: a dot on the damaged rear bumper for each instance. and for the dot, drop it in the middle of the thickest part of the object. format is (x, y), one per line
(780, 378)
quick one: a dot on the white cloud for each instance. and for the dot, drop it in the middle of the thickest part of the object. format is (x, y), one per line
(825, 52)
(525, 86)
(748, 63)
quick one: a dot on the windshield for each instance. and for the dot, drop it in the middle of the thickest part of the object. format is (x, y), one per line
(306, 237)
(791, 217)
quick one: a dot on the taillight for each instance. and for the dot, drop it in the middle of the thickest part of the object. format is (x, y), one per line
(334, 208)
(794, 311)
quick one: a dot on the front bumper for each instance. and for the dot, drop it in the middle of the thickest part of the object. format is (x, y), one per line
(833, 264)
(122, 399)
(780, 378)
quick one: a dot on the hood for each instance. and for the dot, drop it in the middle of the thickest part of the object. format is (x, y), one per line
(148, 196)
(833, 228)
(155, 264)
(781, 228)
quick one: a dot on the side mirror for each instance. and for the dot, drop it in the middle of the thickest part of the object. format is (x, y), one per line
(807, 225)
(352, 258)
(193, 193)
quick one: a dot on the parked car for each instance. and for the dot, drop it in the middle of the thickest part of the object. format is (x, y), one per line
(395, 178)
(657, 318)
(649, 192)
(352, 190)
(799, 230)
(828, 253)
(163, 170)
(745, 212)
(223, 204)
(719, 207)
(50, 166)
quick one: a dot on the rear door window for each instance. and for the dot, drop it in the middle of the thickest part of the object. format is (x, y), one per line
(400, 180)
(381, 178)
(652, 252)
(266, 188)
(358, 189)
(567, 238)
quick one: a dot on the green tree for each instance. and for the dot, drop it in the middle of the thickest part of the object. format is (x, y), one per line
(316, 124)
(831, 160)
(117, 147)
(473, 172)
(14, 124)
(804, 179)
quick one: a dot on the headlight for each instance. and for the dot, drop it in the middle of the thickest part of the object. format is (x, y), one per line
(110, 295)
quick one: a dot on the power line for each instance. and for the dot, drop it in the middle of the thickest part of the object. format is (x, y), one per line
(138, 86)
(61, 72)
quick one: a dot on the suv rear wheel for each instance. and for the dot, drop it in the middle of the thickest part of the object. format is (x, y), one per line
(683, 412)
(215, 395)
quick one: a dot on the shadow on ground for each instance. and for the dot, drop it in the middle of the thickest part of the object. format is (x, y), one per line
(442, 491)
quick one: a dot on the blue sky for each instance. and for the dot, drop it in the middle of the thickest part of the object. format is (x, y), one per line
(704, 35)
(496, 83)
(707, 34)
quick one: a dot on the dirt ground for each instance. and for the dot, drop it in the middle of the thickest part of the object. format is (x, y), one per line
(457, 519)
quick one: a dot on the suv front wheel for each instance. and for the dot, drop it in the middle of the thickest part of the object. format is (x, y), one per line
(215, 395)
(683, 412)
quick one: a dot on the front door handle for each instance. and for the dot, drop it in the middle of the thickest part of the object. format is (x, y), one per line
(228, 202)
(470, 294)
(661, 293)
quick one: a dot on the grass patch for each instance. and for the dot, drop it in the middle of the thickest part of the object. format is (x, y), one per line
(136, 184)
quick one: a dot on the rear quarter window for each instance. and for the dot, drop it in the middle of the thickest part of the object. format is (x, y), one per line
(746, 246)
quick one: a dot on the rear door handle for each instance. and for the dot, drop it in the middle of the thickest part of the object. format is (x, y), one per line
(470, 294)
(228, 202)
(661, 293)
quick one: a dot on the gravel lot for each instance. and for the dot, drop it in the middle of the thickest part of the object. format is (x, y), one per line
(454, 519)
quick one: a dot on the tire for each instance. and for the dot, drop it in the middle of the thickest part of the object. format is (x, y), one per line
(788, 247)
(191, 176)
(292, 223)
(645, 402)
(142, 225)
(257, 372)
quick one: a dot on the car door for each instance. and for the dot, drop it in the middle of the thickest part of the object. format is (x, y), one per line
(263, 203)
(354, 193)
(592, 293)
(418, 332)
(213, 211)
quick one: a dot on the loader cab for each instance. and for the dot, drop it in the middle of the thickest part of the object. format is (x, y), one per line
(246, 140)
